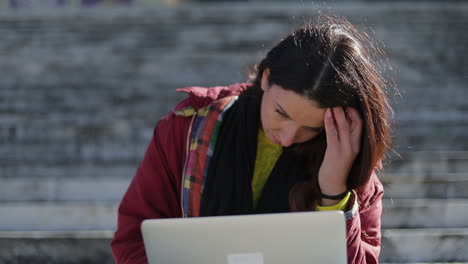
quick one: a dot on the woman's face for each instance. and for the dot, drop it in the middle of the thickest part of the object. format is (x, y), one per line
(288, 118)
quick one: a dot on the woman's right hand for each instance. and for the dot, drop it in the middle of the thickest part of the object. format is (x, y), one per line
(343, 130)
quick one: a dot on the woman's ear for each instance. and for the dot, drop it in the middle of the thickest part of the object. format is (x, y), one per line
(265, 76)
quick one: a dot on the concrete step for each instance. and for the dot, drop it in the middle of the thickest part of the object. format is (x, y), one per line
(61, 189)
(75, 247)
(72, 170)
(91, 215)
(56, 153)
(445, 186)
(424, 245)
(425, 213)
(58, 215)
(448, 135)
(398, 246)
(429, 185)
(408, 176)
(422, 162)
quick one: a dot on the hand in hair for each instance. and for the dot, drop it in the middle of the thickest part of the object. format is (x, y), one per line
(343, 129)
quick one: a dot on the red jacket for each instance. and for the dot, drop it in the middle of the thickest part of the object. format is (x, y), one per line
(155, 191)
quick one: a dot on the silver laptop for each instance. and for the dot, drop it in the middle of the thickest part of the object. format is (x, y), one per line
(292, 238)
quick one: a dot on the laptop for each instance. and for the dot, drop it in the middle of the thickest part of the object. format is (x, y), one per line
(293, 238)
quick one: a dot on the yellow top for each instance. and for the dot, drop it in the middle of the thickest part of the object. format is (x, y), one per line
(267, 155)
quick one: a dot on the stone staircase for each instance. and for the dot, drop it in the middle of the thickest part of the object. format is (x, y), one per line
(425, 208)
(82, 89)
(424, 220)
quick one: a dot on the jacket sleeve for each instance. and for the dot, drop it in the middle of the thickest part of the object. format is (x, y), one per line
(363, 226)
(155, 189)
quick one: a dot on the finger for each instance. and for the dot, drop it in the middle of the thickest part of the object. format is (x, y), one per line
(330, 128)
(356, 128)
(354, 117)
(342, 124)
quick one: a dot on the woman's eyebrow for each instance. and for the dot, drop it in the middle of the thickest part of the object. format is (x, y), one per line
(286, 115)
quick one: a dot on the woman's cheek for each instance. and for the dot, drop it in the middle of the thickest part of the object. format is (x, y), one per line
(308, 136)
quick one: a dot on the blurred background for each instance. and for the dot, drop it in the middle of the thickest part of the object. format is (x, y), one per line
(83, 83)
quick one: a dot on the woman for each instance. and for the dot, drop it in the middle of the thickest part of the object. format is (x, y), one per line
(306, 134)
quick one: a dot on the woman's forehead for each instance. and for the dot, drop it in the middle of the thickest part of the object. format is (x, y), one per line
(298, 107)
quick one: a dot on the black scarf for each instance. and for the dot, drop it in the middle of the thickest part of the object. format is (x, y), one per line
(227, 188)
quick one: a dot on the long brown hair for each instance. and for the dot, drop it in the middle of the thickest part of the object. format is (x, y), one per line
(331, 62)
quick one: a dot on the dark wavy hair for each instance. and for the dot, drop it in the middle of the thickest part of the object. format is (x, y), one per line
(331, 62)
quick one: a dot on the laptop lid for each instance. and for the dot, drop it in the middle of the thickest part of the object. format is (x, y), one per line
(310, 237)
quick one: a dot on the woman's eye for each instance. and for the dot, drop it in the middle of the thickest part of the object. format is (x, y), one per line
(281, 113)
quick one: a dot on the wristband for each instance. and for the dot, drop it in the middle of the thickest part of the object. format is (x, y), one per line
(334, 197)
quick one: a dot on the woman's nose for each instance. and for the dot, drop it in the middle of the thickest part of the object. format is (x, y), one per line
(288, 134)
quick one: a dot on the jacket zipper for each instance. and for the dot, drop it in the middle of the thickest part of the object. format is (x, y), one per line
(187, 148)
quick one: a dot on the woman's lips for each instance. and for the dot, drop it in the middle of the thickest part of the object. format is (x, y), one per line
(276, 141)
(272, 138)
